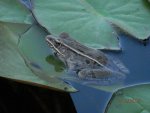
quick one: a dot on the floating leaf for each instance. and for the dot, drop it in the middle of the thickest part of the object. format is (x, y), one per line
(133, 99)
(78, 19)
(14, 65)
(90, 21)
(14, 12)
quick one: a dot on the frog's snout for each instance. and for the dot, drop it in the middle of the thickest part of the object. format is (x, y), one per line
(51, 41)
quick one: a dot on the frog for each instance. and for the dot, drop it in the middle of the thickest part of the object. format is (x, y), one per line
(88, 63)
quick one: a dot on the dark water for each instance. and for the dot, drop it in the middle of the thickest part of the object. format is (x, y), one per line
(20, 98)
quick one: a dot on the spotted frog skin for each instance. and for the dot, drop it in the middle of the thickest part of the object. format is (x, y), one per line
(86, 62)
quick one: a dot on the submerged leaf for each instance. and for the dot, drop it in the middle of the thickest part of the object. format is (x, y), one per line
(14, 65)
(90, 21)
(59, 65)
(133, 99)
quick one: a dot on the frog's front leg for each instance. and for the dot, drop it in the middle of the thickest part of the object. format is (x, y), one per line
(94, 73)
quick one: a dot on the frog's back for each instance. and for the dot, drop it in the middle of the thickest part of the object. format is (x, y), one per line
(93, 53)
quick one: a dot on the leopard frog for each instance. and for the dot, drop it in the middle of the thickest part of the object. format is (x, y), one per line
(87, 63)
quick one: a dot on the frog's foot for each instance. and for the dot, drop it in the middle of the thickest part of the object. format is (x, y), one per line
(116, 64)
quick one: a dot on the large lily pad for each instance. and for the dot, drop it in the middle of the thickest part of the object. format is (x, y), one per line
(78, 19)
(15, 65)
(14, 12)
(90, 21)
(133, 99)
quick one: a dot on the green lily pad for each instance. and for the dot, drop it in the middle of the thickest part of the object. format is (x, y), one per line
(78, 19)
(15, 65)
(133, 99)
(90, 21)
(12, 11)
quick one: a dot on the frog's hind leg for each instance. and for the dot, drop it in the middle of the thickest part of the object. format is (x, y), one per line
(93, 73)
(100, 76)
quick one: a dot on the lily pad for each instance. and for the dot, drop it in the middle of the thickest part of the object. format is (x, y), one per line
(14, 12)
(15, 65)
(90, 21)
(133, 99)
(78, 19)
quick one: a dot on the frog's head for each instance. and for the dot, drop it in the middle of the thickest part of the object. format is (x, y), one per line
(53, 41)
